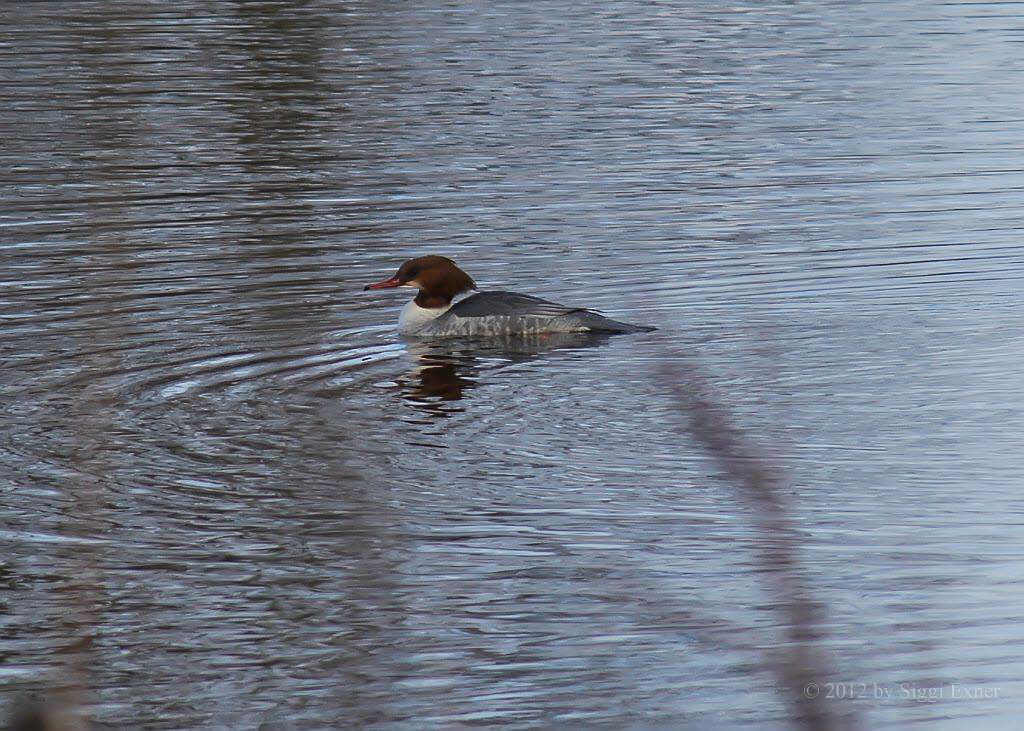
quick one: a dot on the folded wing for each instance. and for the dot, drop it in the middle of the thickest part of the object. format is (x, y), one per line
(488, 304)
(506, 313)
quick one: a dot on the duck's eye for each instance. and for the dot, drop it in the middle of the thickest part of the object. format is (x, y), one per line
(411, 274)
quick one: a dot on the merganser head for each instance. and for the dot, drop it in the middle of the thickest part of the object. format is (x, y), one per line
(436, 277)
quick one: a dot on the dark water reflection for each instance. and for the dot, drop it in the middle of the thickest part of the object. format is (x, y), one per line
(222, 467)
(445, 370)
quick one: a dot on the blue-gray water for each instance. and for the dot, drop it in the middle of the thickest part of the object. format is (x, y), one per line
(220, 462)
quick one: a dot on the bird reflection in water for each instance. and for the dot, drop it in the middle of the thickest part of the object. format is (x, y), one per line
(446, 370)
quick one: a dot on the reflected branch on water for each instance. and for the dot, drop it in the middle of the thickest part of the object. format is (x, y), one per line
(800, 664)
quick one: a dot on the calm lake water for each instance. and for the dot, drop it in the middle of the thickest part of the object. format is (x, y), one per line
(231, 496)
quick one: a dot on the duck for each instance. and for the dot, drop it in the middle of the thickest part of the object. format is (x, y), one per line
(435, 311)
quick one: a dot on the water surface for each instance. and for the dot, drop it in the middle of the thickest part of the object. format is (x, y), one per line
(222, 465)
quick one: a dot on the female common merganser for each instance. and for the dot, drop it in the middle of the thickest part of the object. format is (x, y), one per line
(439, 281)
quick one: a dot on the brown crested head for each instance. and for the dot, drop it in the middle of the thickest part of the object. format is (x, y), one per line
(437, 278)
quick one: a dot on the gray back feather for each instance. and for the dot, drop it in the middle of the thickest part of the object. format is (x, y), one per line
(510, 313)
(484, 304)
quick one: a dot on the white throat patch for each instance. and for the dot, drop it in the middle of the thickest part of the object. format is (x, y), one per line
(414, 317)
